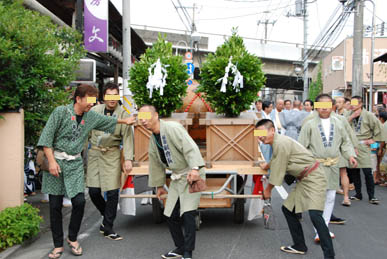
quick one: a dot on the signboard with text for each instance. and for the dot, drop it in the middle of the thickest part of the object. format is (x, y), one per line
(96, 16)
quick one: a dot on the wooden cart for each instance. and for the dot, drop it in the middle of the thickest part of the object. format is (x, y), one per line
(231, 154)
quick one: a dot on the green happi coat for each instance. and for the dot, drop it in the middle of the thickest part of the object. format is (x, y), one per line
(351, 134)
(313, 138)
(182, 154)
(368, 127)
(291, 157)
(352, 137)
(104, 167)
(63, 134)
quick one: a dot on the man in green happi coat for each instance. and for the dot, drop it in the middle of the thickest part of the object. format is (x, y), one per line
(104, 161)
(326, 138)
(290, 157)
(368, 129)
(171, 148)
(343, 164)
(62, 140)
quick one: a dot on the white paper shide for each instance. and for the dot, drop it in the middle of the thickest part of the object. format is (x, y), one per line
(238, 78)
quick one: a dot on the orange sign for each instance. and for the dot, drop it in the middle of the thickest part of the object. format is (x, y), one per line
(188, 55)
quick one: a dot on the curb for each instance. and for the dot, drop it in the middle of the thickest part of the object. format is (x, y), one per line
(9, 251)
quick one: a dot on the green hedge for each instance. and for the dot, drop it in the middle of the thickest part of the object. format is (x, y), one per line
(18, 224)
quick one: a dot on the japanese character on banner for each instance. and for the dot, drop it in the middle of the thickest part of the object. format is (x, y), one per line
(95, 2)
(95, 35)
(157, 79)
(238, 78)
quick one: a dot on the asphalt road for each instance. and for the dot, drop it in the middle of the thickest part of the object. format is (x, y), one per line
(363, 236)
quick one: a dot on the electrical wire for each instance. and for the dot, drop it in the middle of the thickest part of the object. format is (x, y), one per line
(244, 15)
(186, 14)
(377, 17)
(181, 19)
(329, 35)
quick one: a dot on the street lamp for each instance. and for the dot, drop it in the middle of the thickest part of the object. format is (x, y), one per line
(177, 46)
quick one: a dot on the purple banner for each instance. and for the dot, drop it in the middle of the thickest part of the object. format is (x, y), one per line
(96, 16)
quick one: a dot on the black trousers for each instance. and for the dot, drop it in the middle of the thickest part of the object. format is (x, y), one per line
(298, 234)
(108, 209)
(369, 179)
(184, 242)
(78, 208)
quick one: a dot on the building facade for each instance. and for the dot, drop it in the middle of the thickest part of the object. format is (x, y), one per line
(337, 69)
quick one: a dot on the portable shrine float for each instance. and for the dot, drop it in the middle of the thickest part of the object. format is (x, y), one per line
(227, 143)
(229, 149)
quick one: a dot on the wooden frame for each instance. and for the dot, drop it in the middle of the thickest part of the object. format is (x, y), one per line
(230, 139)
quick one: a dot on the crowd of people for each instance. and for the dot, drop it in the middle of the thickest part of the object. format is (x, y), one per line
(318, 146)
(338, 139)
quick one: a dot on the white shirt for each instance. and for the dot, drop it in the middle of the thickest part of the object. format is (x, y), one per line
(267, 116)
(326, 124)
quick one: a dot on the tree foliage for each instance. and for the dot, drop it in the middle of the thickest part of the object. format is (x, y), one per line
(37, 60)
(316, 87)
(231, 103)
(176, 85)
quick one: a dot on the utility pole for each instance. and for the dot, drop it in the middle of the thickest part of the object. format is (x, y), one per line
(266, 23)
(127, 51)
(357, 58)
(305, 93)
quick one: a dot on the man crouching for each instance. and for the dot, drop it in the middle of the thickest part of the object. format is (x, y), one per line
(290, 157)
(171, 148)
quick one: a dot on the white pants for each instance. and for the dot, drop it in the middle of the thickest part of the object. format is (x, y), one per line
(328, 209)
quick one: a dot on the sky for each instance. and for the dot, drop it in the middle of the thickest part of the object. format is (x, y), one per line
(220, 16)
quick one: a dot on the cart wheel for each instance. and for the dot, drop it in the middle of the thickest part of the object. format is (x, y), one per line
(239, 211)
(198, 221)
(157, 211)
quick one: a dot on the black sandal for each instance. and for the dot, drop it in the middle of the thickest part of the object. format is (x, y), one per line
(55, 255)
(75, 250)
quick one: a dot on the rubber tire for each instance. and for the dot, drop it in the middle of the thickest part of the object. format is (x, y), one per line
(157, 211)
(239, 211)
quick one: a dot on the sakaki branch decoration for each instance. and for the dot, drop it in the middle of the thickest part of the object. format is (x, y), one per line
(157, 80)
(231, 77)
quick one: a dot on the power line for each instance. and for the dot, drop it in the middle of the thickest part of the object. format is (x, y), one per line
(276, 19)
(186, 14)
(375, 14)
(244, 15)
(331, 34)
(181, 19)
(142, 26)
